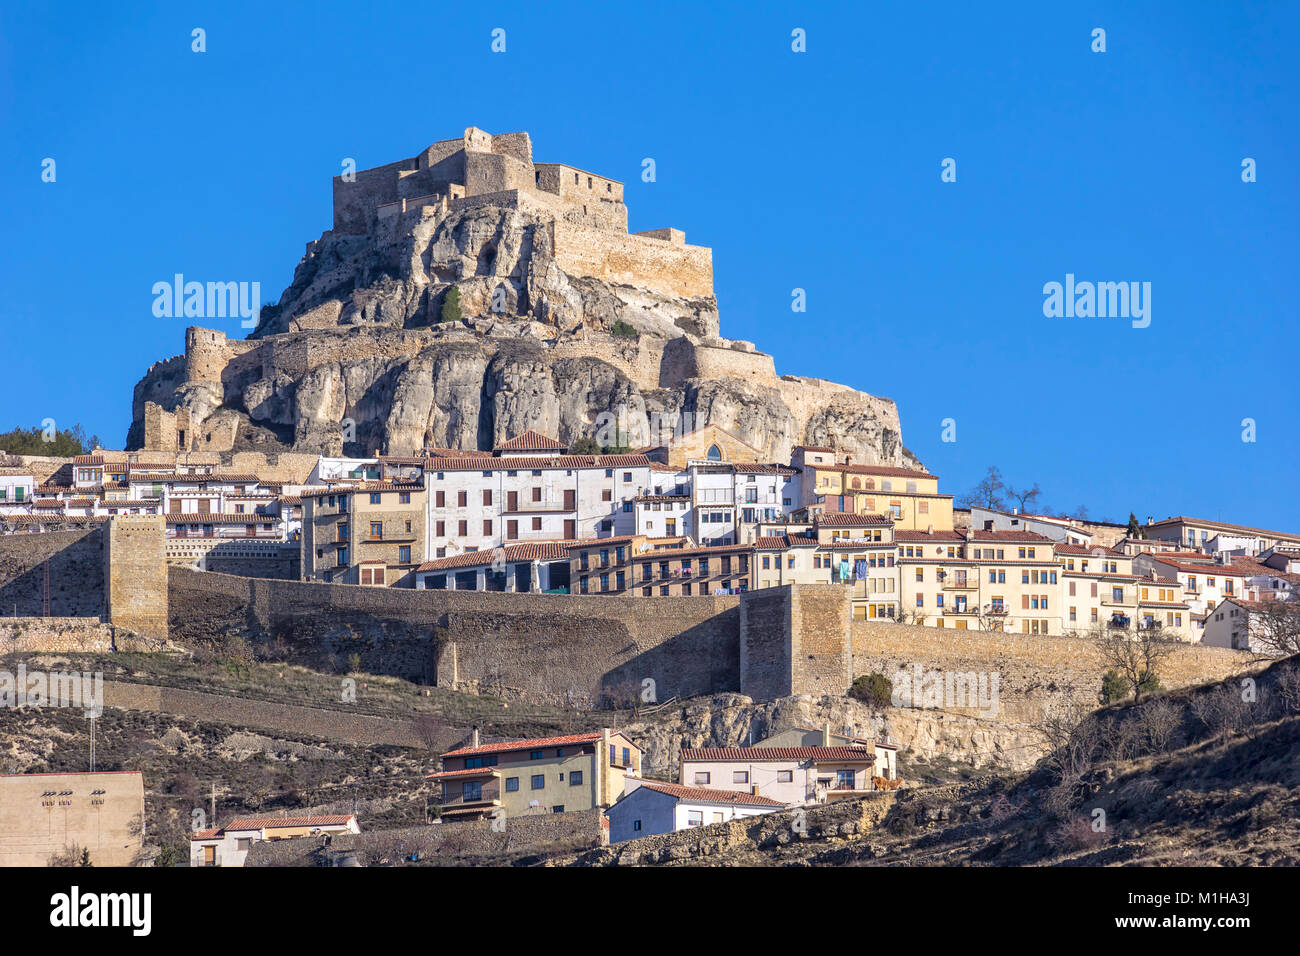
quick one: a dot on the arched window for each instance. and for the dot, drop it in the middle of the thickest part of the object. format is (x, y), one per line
(857, 482)
(714, 453)
(871, 484)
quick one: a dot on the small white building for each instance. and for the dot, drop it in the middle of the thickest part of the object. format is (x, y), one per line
(16, 494)
(648, 807)
(229, 845)
(1231, 624)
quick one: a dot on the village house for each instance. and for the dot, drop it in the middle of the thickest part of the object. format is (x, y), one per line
(370, 533)
(541, 775)
(229, 845)
(1243, 624)
(1203, 581)
(1195, 534)
(791, 776)
(649, 807)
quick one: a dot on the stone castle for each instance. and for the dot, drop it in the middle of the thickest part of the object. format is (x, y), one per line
(566, 316)
(586, 214)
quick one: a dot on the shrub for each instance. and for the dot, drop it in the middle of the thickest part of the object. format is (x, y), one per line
(451, 306)
(1113, 687)
(623, 330)
(875, 690)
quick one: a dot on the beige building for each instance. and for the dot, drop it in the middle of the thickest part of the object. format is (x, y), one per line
(910, 498)
(47, 814)
(542, 775)
(371, 533)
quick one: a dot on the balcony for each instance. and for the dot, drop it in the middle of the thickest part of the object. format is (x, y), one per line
(961, 584)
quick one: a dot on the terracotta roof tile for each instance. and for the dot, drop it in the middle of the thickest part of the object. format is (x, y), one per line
(708, 794)
(535, 743)
(756, 754)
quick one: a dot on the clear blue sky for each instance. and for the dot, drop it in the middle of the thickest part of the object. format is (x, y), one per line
(818, 170)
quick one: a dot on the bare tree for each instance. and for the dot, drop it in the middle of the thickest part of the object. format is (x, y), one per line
(1157, 723)
(1025, 496)
(1275, 626)
(1135, 655)
(987, 493)
(429, 728)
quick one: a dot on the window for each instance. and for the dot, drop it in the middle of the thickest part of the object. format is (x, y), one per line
(785, 776)
(404, 554)
(375, 497)
(695, 818)
(512, 784)
(536, 754)
(575, 778)
(472, 790)
(636, 826)
(702, 778)
(740, 776)
(376, 529)
(538, 781)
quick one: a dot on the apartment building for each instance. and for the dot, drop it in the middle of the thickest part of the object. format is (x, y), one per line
(909, 497)
(981, 580)
(517, 495)
(1203, 582)
(660, 567)
(541, 775)
(371, 533)
(1065, 530)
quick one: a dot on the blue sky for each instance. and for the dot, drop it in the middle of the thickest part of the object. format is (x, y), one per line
(818, 170)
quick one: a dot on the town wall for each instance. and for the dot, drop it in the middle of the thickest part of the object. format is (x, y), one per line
(69, 635)
(76, 575)
(664, 267)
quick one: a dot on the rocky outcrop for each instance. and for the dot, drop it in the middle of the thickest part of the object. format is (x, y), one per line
(733, 720)
(354, 357)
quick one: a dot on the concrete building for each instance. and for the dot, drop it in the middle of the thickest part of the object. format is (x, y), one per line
(1204, 583)
(229, 845)
(1064, 530)
(648, 807)
(908, 496)
(1234, 623)
(541, 775)
(1195, 533)
(43, 815)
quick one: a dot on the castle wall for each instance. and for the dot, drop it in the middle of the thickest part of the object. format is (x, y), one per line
(684, 359)
(663, 267)
(76, 578)
(355, 202)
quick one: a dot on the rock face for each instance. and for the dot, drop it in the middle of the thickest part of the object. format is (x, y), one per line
(355, 356)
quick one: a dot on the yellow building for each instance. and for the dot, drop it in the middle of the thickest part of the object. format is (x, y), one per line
(910, 498)
(542, 775)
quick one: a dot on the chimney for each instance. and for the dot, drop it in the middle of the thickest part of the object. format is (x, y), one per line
(826, 734)
(473, 740)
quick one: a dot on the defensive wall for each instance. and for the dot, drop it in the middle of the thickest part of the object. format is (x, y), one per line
(774, 642)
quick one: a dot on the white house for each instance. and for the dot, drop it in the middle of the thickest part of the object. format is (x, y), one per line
(1231, 624)
(789, 775)
(16, 493)
(648, 807)
(229, 845)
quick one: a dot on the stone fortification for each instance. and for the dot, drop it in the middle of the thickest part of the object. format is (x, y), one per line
(566, 316)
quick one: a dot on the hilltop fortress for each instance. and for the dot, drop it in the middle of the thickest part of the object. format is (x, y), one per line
(565, 316)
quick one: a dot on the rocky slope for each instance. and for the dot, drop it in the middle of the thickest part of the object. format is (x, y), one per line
(357, 338)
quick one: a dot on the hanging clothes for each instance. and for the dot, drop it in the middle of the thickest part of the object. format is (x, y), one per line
(844, 570)
(860, 569)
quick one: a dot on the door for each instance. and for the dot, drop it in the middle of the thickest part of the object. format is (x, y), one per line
(512, 501)
(570, 529)
(570, 500)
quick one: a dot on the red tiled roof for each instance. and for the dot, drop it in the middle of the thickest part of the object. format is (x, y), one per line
(1208, 570)
(928, 536)
(528, 551)
(780, 542)
(259, 823)
(887, 471)
(756, 754)
(844, 519)
(473, 772)
(530, 441)
(743, 468)
(709, 794)
(221, 519)
(527, 462)
(1029, 537)
(535, 743)
(364, 487)
(1225, 526)
(1088, 551)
